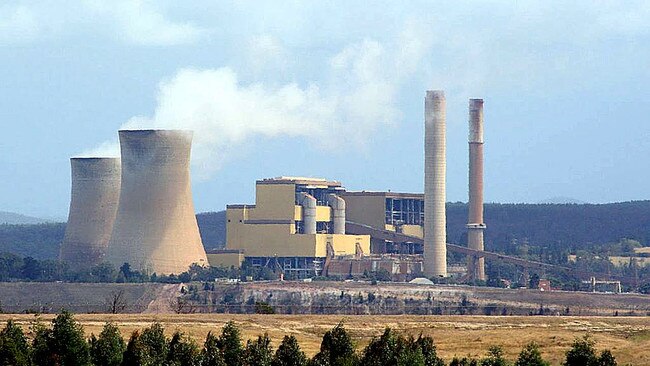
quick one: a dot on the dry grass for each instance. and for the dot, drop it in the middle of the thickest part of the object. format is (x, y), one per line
(628, 338)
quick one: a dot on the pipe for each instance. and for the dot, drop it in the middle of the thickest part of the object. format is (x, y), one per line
(338, 213)
(308, 203)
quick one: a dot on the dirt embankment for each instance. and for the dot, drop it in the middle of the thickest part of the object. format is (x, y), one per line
(395, 298)
(345, 298)
(34, 297)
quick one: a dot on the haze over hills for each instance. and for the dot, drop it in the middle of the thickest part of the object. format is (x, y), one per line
(13, 218)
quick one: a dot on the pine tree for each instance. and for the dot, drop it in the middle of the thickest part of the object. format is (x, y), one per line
(336, 349)
(258, 352)
(41, 354)
(606, 359)
(410, 357)
(182, 351)
(154, 344)
(135, 354)
(429, 351)
(63, 345)
(14, 348)
(531, 356)
(381, 351)
(289, 353)
(463, 362)
(494, 357)
(211, 355)
(392, 349)
(108, 349)
(582, 353)
(230, 344)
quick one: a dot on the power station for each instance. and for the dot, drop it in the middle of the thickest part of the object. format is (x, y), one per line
(141, 212)
(295, 224)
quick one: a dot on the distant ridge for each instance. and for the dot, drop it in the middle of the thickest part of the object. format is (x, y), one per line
(556, 227)
(13, 218)
(562, 201)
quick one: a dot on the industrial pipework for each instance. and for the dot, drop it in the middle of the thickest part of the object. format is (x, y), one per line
(93, 204)
(338, 213)
(308, 203)
(155, 228)
(475, 225)
(435, 166)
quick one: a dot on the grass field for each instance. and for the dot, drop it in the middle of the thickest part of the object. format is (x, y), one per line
(627, 337)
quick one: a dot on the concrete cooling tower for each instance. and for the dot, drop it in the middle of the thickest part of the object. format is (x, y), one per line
(435, 170)
(93, 205)
(155, 229)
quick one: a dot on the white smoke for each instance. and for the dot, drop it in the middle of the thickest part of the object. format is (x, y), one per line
(356, 99)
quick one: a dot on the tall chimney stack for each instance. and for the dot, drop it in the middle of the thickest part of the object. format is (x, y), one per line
(435, 166)
(475, 225)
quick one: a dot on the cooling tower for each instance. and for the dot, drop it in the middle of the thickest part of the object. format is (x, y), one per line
(155, 228)
(93, 205)
(475, 225)
(435, 232)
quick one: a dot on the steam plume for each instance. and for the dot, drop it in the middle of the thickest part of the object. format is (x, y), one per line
(356, 99)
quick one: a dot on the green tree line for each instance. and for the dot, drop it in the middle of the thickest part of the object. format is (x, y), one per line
(17, 268)
(64, 344)
(553, 228)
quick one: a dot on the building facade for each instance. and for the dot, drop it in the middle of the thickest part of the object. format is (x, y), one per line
(294, 225)
(398, 212)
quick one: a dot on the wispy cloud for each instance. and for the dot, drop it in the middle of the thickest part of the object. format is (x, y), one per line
(139, 22)
(355, 99)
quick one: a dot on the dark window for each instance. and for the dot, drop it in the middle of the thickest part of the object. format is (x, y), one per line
(323, 227)
(404, 211)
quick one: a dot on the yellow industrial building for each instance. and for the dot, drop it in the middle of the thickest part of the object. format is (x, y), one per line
(392, 211)
(295, 224)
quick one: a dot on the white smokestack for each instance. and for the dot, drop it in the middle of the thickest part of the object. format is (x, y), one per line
(435, 166)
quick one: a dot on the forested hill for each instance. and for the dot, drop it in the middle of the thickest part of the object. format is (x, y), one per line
(19, 219)
(42, 241)
(213, 229)
(554, 226)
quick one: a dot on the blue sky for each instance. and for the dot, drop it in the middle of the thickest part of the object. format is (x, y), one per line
(330, 90)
